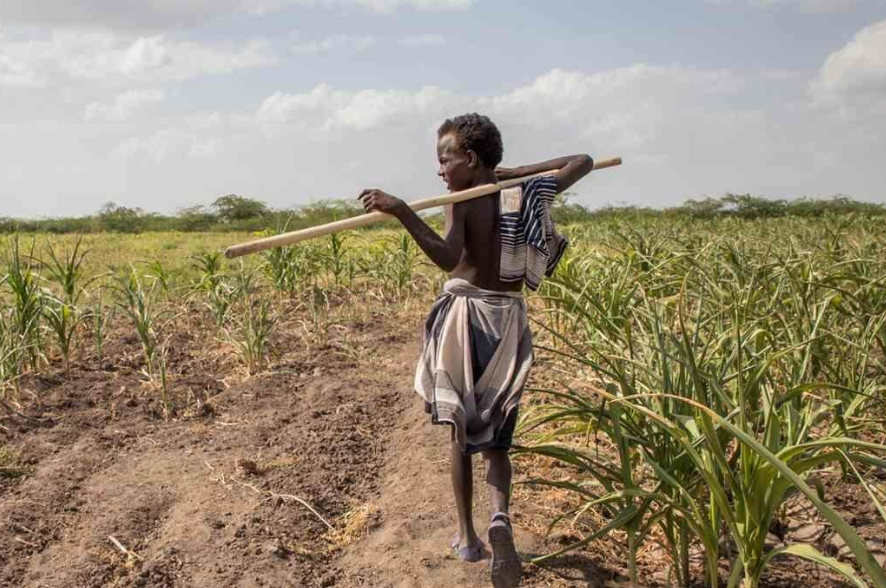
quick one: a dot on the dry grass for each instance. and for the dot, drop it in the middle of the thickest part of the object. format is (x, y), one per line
(354, 525)
(11, 465)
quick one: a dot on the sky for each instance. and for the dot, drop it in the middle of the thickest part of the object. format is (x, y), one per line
(166, 104)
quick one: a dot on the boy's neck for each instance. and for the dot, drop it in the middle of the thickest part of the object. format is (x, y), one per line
(484, 176)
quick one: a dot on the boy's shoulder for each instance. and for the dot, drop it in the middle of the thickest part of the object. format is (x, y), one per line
(479, 212)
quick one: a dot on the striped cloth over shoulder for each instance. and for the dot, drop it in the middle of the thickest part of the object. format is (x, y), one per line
(530, 246)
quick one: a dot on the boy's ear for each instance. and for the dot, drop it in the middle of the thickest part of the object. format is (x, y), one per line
(473, 160)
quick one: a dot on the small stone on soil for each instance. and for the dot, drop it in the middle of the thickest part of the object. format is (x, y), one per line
(809, 533)
(274, 548)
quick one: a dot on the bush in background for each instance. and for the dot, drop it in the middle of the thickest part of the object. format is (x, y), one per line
(239, 213)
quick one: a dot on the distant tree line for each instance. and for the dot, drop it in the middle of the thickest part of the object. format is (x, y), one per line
(238, 213)
(228, 213)
(743, 206)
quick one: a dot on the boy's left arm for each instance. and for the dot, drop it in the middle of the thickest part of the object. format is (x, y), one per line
(570, 169)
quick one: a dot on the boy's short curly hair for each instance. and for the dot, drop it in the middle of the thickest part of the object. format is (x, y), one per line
(477, 133)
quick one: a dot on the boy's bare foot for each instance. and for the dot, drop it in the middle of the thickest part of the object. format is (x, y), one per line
(473, 552)
(507, 568)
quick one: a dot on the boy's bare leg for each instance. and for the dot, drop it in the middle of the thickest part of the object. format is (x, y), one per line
(506, 566)
(463, 487)
(498, 478)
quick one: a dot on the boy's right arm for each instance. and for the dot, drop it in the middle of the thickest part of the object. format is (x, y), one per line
(445, 253)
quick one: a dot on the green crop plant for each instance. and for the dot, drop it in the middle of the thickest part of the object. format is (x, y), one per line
(291, 269)
(284, 266)
(321, 322)
(162, 380)
(67, 269)
(720, 374)
(228, 290)
(11, 352)
(338, 260)
(397, 267)
(27, 300)
(219, 300)
(245, 280)
(137, 304)
(101, 317)
(599, 310)
(158, 273)
(63, 320)
(208, 266)
(251, 336)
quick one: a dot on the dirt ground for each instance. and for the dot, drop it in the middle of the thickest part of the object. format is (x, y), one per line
(321, 471)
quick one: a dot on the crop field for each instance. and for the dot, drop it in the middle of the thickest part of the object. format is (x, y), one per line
(706, 409)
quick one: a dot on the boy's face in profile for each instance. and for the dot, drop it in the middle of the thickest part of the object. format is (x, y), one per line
(457, 167)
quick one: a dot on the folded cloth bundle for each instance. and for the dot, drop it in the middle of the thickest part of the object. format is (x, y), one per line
(475, 360)
(531, 248)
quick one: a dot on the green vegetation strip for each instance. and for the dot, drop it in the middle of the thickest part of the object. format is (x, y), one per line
(707, 369)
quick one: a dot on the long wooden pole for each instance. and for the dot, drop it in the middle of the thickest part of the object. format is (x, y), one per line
(374, 217)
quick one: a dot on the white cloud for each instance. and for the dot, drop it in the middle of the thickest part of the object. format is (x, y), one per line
(853, 79)
(206, 148)
(166, 143)
(281, 107)
(324, 108)
(144, 55)
(120, 60)
(172, 14)
(357, 43)
(123, 106)
(673, 124)
(14, 71)
(159, 59)
(352, 43)
(684, 132)
(371, 108)
(425, 40)
(628, 108)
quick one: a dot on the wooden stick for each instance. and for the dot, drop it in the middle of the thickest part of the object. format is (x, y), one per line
(374, 217)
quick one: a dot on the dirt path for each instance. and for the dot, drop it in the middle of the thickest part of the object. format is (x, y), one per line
(409, 547)
(214, 499)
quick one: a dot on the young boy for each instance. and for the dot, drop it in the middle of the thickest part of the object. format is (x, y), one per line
(477, 345)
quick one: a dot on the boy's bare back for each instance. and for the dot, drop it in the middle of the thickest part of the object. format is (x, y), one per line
(481, 256)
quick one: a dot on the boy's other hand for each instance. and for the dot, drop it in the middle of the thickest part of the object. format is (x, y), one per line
(374, 200)
(506, 173)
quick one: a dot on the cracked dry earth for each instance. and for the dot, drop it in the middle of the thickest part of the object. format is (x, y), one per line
(318, 472)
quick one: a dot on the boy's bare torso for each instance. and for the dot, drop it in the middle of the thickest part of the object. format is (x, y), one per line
(481, 257)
